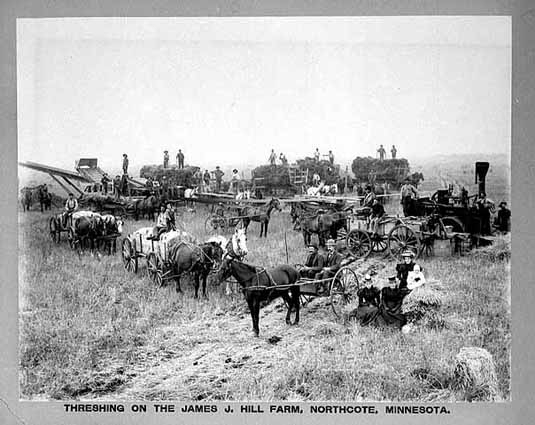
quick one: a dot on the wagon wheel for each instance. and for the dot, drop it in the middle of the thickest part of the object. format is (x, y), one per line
(343, 286)
(54, 231)
(378, 243)
(213, 223)
(359, 243)
(402, 238)
(153, 269)
(129, 256)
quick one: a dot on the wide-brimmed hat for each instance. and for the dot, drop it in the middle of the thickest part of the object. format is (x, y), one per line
(331, 242)
(392, 278)
(407, 253)
(503, 203)
(235, 170)
(313, 245)
(367, 277)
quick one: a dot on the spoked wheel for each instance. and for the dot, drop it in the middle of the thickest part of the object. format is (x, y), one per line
(344, 286)
(359, 243)
(402, 238)
(54, 231)
(378, 243)
(153, 269)
(215, 223)
(129, 256)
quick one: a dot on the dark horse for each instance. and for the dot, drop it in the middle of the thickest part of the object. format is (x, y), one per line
(45, 199)
(198, 260)
(259, 284)
(260, 214)
(84, 230)
(147, 206)
(325, 225)
(26, 199)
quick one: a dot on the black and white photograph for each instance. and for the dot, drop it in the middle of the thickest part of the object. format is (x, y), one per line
(272, 209)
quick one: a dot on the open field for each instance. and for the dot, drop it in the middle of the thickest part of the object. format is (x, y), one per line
(89, 329)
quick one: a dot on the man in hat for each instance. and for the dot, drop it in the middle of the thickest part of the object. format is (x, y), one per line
(235, 181)
(317, 155)
(393, 151)
(206, 179)
(405, 267)
(71, 205)
(314, 262)
(272, 157)
(378, 211)
(105, 180)
(333, 262)
(165, 159)
(125, 163)
(180, 159)
(408, 194)
(503, 218)
(369, 197)
(117, 186)
(218, 174)
(331, 157)
(381, 152)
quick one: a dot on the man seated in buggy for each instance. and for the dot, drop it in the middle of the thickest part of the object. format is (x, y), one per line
(333, 262)
(314, 262)
(377, 212)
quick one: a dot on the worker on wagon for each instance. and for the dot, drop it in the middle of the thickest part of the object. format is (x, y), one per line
(180, 159)
(272, 157)
(408, 194)
(504, 217)
(283, 159)
(393, 151)
(71, 205)
(369, 197)
(378, 211)
(235, 181)
(165, 159)
(333, 262)
(170, 217)
(206, 177)
(405, 267)
(162, 224)
(105, 180)
(218, 174)
(125, 186)
(314, 262)
(125, 163)
(331, 157)
(381, 152)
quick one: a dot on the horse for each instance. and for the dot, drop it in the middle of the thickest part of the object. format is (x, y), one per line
(26, 199)
(322, 224)
(189, 195)
(112, 225)
(45, 199)
(86, 226)
(149, 205)
(198, 260)
(261, 215)
(259, 284)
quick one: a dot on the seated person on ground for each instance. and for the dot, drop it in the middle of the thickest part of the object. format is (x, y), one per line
(314, 262)
(369, 301)
(415, 278)
(378, 211)
(391, 302)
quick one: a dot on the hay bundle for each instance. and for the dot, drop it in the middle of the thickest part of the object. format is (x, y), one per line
(173, 174)
(475, 375)
(273, 177)
(329, 173)
(423, 303)
(393, 170)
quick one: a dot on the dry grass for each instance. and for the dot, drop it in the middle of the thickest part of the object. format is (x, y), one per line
(89, 329)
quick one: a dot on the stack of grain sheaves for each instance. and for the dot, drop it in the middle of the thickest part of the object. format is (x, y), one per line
(174, 175)
(422, 305)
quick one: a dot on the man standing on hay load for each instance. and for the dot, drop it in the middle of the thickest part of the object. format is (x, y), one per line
(165, 159)
(333, 262)
(235, 181)
(381, 152)
(317, 155)
(272, 157)
(125, 163)
(331, 157)
(314, 262)
(180, 159)
(393, 151)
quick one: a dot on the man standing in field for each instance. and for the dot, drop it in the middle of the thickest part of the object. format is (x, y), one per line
(218, 178)
(125, 163)
(408, 193)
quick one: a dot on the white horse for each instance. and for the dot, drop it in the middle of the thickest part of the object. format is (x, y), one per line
(239, 248)
(246, 194)
(189, 195)
(331, 189)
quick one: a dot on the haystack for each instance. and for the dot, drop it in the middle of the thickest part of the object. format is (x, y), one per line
(173, 174)
(475, 375)
(423, 305)
(392, 170)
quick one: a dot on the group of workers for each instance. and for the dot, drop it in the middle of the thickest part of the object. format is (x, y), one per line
(179, 159)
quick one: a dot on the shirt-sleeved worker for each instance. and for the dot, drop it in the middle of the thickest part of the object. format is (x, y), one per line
(408, 193)
(369, 197)
(378, 211)
(180, 159)
(272, 157)
(71, 205)
(218, 174)
(165, 159)
(317, 155)
(394, 152)
(381, 152)
(331, 157)
(125, 163)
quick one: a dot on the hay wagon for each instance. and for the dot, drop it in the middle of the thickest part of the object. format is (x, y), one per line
(137, 246)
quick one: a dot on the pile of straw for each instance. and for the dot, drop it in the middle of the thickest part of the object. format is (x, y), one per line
(474, 375)
(423, 305)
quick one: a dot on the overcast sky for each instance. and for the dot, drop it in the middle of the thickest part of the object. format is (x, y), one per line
(227, 90)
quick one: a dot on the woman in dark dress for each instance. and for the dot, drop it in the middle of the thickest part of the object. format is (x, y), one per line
(391, 301)
(369, 300)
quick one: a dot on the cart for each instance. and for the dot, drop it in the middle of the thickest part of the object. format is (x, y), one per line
(217, 222)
